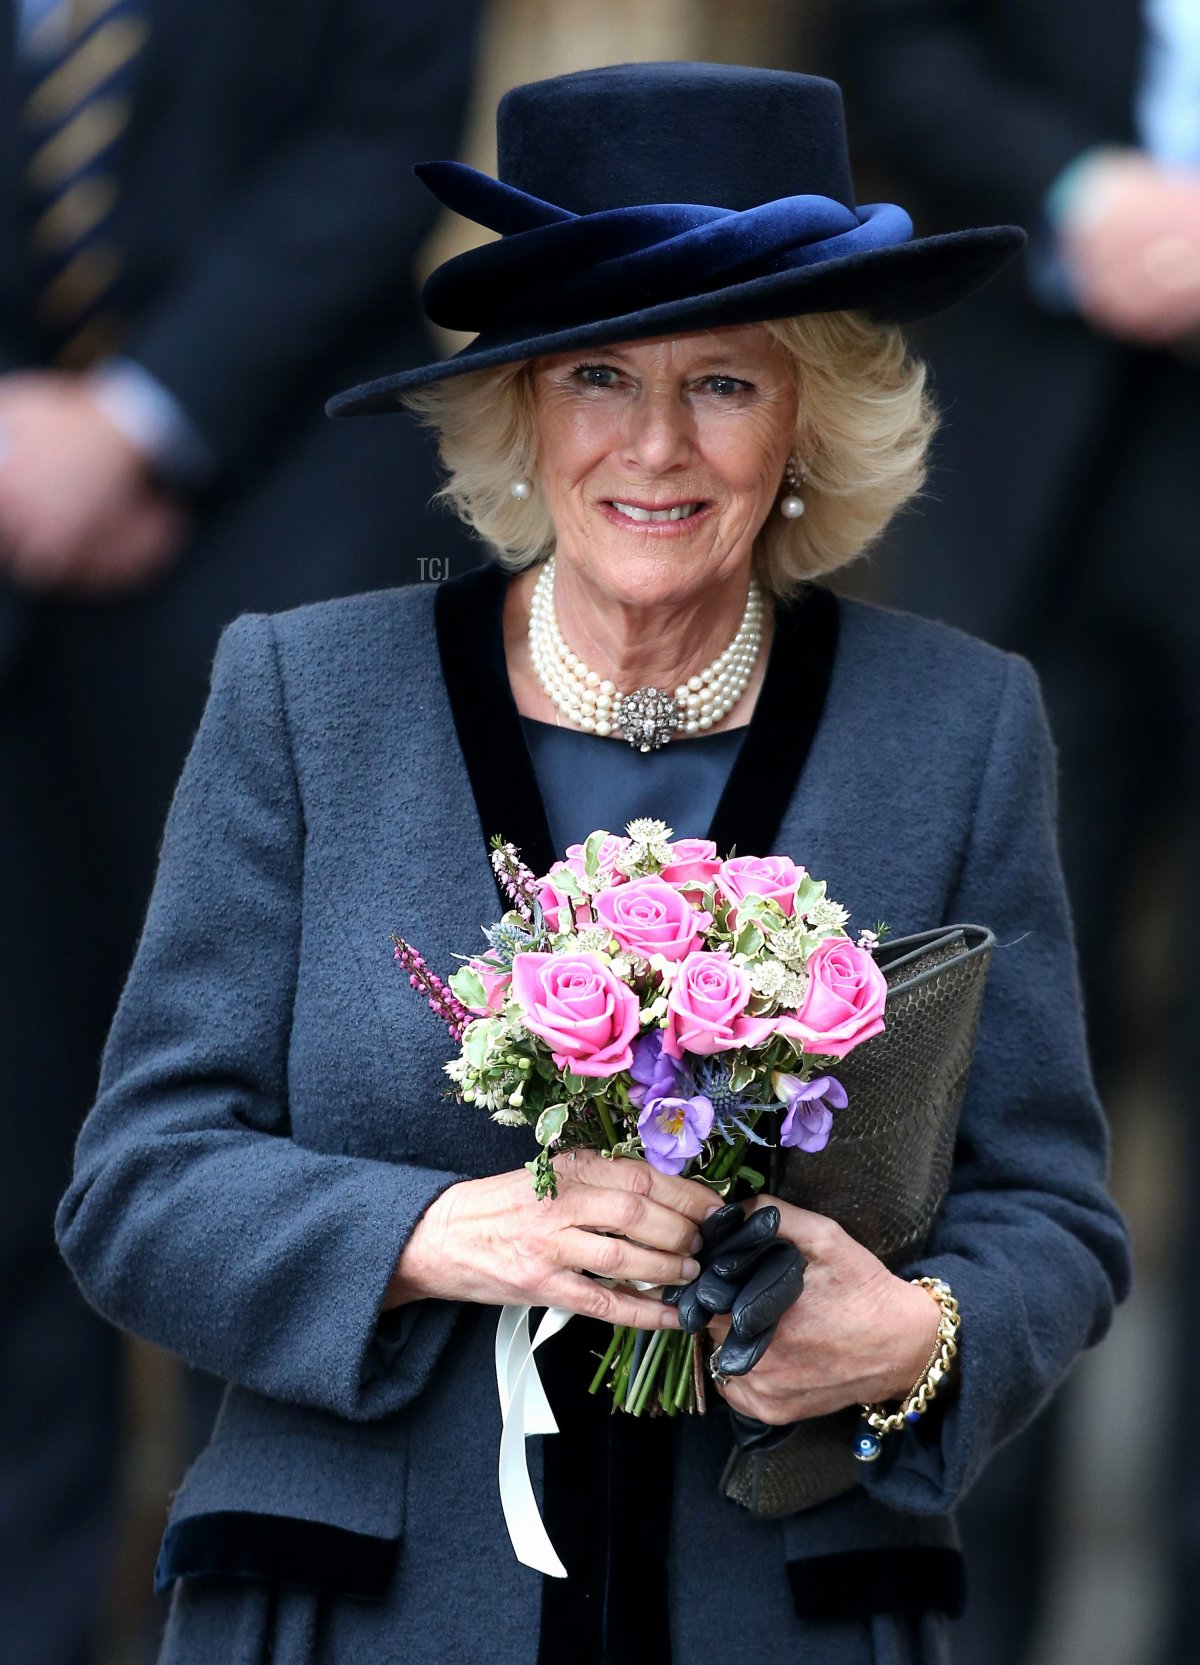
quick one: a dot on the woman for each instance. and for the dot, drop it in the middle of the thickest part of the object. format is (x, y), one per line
(272, 1182)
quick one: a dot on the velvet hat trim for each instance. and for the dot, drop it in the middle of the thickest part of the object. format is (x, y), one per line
(645, 199)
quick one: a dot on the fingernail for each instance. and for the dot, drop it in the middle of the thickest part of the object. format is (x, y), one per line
(691, 1269)
(715, 1209)
(697, 1243)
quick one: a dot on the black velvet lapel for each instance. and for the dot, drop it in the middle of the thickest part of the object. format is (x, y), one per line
(908, 1580)
(236, 1544)
(469, 617)
(786, 715)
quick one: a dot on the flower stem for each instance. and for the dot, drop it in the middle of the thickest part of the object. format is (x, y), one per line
(683, 1391)
(614, 1344)
(621, 1375)
(666, 1393)
(644, 1380)
(606, 1122)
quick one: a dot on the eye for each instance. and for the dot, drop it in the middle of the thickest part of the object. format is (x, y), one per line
(596, 375)
(725, 387)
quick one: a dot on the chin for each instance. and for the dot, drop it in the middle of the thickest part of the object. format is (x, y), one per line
(655, 577)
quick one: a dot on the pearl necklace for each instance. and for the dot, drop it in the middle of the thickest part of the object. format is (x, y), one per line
(646, 717)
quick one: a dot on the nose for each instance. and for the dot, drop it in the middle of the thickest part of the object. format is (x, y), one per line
(661, 432)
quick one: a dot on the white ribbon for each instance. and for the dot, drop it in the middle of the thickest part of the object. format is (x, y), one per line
(524, 1410)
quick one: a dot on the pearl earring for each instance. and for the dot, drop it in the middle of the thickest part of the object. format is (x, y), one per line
(791, 507)
(521, 490)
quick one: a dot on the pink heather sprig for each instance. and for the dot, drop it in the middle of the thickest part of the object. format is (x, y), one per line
(442, 1003)
(517, 881)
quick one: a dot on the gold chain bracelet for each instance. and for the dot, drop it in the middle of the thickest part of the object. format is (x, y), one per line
(876, 1421)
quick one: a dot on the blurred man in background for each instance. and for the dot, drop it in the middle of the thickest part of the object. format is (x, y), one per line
(1065, 500)
(207, 224)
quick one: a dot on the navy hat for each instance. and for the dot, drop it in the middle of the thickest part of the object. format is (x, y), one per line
(647, 199)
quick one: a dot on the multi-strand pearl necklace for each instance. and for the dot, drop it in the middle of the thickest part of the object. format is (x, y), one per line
(646, 717)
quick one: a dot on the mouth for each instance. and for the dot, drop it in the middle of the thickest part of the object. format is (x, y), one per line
(674, 515)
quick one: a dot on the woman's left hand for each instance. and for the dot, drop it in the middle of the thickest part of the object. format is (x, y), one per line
(857, 1333)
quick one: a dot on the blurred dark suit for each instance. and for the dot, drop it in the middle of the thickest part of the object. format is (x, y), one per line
(1061, 521)
(269, 221)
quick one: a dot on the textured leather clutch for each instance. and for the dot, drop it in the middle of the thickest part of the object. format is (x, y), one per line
(882, 1177)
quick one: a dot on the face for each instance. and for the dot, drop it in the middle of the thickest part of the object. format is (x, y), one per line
(660, 460)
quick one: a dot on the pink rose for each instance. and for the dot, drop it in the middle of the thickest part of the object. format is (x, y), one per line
(495, 979)
(844, 1002)
(556, 907)
(694, 861)
(705, 1007)
(772, 877)
(649, 917)
(610, 850)
(577, 1004)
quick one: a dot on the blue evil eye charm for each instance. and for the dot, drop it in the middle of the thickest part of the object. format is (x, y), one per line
(867, 1444)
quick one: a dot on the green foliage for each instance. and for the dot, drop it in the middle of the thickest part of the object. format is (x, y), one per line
(541, 1171)
(551, 1123)
(467, 986)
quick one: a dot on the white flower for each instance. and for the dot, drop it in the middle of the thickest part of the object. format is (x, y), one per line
(588, 939)
(767, 978)
(868, 940)
(508, 1118)
(827, 916)
(646, 831)
(793, 989)
(792, 942)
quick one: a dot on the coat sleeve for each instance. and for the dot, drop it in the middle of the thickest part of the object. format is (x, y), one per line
(317, 247)
(1027, 1238)
(193, 1218)
(933, 90)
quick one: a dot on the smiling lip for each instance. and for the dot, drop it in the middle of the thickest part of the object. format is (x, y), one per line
(658, 519)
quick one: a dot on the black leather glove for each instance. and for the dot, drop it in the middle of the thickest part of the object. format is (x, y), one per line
(747, 1272)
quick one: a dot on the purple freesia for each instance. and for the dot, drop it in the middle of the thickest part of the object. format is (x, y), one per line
(655, 1074)
(673, 1130)
(810, 1110)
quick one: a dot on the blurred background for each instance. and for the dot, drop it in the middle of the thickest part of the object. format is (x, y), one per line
(207, 225)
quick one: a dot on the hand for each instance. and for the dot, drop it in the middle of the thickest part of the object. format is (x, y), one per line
(79, 510)
(857, 1334)
(492, 1241)
(1133, 246)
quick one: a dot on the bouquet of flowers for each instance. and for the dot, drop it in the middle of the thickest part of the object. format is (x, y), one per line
(648, 999)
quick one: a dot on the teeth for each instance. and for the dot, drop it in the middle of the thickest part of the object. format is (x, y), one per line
(681, 511)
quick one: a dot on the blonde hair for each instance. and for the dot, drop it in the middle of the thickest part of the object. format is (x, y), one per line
(863, 426)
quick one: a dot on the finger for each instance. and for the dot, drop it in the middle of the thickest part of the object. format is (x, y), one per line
(715, 1294)
(760, 1225)
(616, 1257)
(772, 1287)
(590, 1299)
(720, 1224)
(693, 1316)
(735, 1267)
(638, 1218)
(811, 1233)
(759, 1231)
(739, 1354)
(684, 1196)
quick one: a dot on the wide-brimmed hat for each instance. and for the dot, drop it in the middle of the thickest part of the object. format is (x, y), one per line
(646, 199)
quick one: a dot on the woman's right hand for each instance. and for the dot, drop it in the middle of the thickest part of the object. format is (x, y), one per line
(492, 1241)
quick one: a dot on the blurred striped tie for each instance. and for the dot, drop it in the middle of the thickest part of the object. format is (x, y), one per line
(78, 64)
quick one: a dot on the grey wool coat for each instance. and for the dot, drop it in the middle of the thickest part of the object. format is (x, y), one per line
(271, 1125)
